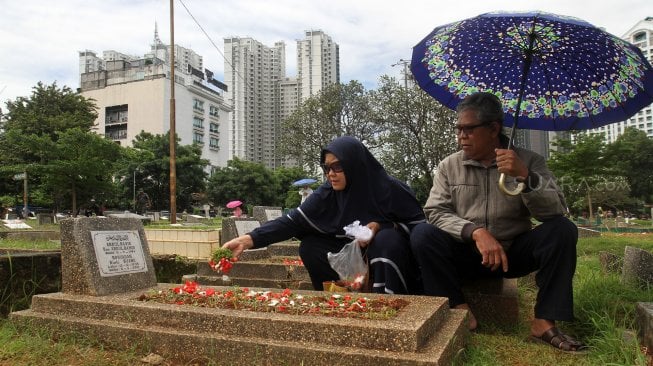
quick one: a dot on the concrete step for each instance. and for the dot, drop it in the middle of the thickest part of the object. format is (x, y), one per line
(425, 332)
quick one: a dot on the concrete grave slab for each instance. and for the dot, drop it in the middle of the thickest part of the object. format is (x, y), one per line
(102, 256)
(425, 332)
(266, 213)
(233, 227)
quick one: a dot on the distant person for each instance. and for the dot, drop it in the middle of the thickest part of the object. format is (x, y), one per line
(477, 231)
(238, 212)
(357, 188)
(304, 192)
(93, 209)
(143, 202)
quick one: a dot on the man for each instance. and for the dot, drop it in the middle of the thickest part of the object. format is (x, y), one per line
(475, 230)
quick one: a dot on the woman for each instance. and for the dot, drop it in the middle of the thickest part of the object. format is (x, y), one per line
(357, 188)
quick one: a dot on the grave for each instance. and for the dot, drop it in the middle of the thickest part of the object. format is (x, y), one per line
(266, 213)
(637, 267)
(644, 318)
(45, 218)
(16, 224)
(102, 256)
(233, 227)
(100, 300)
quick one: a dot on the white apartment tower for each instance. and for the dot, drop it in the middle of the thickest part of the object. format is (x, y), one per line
(641, 35)
(262, 96)
(133, 95)
(318, 63)
(253, 73)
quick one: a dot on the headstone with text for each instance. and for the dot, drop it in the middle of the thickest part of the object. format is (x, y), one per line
(101, 256)
(233, 227)
(265, 213)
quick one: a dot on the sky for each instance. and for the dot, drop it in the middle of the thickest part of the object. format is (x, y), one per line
(40, 39)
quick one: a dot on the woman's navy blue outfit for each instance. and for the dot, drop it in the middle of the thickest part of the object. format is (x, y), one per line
(371, 195)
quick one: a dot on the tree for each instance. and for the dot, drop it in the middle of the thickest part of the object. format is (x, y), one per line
(581, 168)
(34, 138)
(630, 155)
(336, 110)
(150, 160)
(418, 133)
(242, 180)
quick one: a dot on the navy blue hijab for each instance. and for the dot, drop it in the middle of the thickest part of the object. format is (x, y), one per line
(370, 194)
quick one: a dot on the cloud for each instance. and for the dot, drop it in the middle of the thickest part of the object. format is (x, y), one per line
(40, 39)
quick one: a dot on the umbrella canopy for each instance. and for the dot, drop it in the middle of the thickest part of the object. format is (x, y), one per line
(234, 204)
(551, 72)
(303, 182)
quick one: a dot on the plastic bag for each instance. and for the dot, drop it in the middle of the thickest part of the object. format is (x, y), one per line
(349, 262)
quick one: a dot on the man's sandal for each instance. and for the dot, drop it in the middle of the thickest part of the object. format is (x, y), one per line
(560, 341)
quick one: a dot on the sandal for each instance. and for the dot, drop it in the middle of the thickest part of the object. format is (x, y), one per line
(560, 341)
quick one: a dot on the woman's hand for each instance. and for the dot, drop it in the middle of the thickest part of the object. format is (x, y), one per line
(374, 227)
(239, 244)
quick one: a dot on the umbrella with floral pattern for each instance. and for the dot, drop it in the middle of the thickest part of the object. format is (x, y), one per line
(551, 72)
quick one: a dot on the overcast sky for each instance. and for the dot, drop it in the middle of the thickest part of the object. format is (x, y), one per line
(40, 39)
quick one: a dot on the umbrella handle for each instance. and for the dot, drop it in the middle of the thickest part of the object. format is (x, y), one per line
(514, 192)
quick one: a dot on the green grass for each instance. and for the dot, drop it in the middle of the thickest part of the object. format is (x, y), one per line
(604, 308)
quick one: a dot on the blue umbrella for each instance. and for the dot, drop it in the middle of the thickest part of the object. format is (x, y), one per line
(303, 182)
(551, 72)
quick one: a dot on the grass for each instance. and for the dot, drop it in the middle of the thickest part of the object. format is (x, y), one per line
(604, 308)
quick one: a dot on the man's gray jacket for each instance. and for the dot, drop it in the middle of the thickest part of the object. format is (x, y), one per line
(465, 195)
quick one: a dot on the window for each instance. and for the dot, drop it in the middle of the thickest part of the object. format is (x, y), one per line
(198, 138)
(198, 122)
(198, 105)
(214, 111)
(213, 142)
(116, 114)
(213, 127)
(639, 37)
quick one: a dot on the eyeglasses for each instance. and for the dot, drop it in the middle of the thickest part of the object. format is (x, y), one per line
(468, 130)
(335, 166)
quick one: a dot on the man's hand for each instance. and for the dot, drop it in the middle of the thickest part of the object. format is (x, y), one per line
(239, 244)
(493, 254)
(510, 164)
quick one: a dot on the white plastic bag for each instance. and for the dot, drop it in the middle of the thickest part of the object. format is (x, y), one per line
(349, 262)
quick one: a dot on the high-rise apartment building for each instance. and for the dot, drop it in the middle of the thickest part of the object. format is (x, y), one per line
(641, 35)
(262, 95)
(253, 73)
(318, 63)
(133, 95)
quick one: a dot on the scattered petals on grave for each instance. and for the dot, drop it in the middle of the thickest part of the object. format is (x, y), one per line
(292, 262)
(222, 260)
(287, 302)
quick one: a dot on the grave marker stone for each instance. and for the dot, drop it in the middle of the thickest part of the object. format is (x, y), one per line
(233, 227)
(637, 267)
(266, 213)
(45, 218)
(102, 256)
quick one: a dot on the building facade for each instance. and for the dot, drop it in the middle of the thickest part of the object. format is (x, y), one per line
(133, 95)
(641, 35)
(262, 95)
(318, 63)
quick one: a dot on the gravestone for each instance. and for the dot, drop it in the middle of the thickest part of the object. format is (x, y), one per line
(265, 213)
(610, 263)
(637, 267)
(644, 318)
(45, 218)
(102, 256)
(233, 227)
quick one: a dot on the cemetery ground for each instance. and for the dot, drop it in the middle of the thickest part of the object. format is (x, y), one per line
(604, 308)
